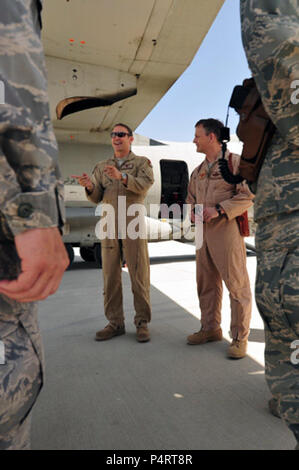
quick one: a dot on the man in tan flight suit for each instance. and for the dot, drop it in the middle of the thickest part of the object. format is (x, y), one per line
(223, 254)
(130, 176)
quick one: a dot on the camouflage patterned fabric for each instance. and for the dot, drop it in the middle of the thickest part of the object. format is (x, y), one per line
(270, 34)
(31, 197)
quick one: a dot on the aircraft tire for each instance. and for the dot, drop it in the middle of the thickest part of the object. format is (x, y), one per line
(250, 250)
(87, 254)
(98, 254)
(70, 252)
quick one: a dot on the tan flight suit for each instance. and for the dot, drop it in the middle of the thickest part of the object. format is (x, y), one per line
(223, 254)
(135, 251)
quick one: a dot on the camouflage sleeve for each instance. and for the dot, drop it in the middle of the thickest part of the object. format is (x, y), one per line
(145, 177)
(270, 37)
(31, 184)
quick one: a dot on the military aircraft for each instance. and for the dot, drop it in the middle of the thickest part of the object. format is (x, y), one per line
(111, 61)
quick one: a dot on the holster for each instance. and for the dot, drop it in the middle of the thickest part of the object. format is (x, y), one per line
(255, 129)
(242, 220)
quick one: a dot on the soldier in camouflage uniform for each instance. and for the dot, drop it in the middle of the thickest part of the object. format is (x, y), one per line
(30, 201)
(270, 34)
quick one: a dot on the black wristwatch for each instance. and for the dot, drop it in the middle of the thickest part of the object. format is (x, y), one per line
(218, 209)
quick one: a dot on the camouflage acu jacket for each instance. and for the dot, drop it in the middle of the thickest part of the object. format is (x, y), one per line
(270, 35)
(31, 188)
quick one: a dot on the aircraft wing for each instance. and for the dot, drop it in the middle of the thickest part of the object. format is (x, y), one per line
(111, 61)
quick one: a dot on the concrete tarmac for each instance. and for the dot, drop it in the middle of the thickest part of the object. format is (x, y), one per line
(161, 395)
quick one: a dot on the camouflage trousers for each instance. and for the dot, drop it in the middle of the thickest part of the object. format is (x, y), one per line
(20, 372)
(277, 298)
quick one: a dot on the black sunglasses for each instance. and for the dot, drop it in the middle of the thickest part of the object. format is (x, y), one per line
(119, 134)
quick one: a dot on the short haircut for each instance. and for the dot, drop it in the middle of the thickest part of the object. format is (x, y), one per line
(211, 125)
(124, 125)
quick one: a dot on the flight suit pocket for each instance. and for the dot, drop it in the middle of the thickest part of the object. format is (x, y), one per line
(147, 173)
(107, 243)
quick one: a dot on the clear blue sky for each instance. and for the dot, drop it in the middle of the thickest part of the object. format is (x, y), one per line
(205, 88)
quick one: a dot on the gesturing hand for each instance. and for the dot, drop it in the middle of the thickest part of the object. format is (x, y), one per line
(84, 180)
(112, 172)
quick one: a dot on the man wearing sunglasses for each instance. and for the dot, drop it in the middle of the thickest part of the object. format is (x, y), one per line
(131, 176)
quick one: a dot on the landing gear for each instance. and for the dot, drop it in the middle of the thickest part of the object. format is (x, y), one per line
(87, 253)
(70, 252)
(91, 254)
(250, 250)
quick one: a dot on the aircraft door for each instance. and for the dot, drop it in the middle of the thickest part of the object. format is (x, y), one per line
(174, 187)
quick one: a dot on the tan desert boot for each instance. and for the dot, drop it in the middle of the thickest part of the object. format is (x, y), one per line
(237, 349)
(202, 337)
(142, 333)
(109, 332)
